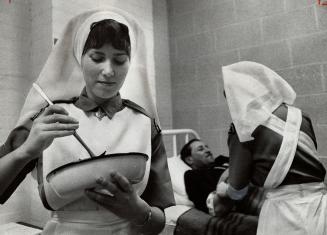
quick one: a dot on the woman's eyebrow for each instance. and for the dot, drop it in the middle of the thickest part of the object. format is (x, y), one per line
(120, 53)
(97, 52)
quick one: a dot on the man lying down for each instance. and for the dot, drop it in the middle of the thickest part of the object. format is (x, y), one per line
(201, 183)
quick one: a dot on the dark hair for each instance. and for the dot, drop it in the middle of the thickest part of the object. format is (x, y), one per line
(187, 150)
(111, 32)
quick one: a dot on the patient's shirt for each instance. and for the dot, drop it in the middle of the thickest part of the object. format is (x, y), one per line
(199, 183)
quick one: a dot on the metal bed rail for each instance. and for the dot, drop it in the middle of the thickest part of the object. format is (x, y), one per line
(175, 132)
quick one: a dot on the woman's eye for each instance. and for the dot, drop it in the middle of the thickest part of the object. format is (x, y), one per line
(97, 59)
(120, 61)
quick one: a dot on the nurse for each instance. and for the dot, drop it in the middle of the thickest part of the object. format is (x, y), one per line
(99, 58)
(272, 145)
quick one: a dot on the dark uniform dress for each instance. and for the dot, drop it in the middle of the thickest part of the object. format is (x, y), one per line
(264, 149)
(252, 162)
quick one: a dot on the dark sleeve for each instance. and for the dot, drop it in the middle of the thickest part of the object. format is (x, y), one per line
(159, 191)
(252, 203)
(15, 139)
(241, 162)
(197, 191)
(200, 183)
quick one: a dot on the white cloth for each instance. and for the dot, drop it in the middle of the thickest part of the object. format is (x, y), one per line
(108, 135)
(253, 92)
(174, 212)
(90, 222)
(287, 149)
(294, 210)
(61, 76)
(177, 168)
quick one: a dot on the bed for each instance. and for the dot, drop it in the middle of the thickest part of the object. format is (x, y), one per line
(184, 209)
(184, 219)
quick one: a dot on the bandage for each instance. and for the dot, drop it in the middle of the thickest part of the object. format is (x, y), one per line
(237, 194)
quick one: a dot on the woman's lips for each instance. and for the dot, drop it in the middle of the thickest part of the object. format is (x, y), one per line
(106, 83)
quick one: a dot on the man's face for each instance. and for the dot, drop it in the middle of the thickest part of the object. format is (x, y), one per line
(201, 155)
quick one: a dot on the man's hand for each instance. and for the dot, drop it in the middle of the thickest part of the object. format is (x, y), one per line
(222, 205)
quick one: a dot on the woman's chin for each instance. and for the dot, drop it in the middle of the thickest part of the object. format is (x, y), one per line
(102, 98)
(104, 95)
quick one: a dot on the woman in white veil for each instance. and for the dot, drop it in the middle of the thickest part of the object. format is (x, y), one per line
(272, 145)
(100, 57)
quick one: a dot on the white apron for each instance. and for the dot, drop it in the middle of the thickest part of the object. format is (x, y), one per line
(292, 209)
(127, 131)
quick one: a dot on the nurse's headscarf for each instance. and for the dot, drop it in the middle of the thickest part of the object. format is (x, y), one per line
(62, 77)
(253, 92)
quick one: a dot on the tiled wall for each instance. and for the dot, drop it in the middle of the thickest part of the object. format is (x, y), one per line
(290, 36)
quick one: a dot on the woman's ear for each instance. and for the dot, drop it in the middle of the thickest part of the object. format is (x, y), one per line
(189, 160)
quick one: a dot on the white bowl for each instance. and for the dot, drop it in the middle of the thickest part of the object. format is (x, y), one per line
(73, 178)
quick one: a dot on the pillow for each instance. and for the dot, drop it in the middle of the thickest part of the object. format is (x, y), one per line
(177, 169)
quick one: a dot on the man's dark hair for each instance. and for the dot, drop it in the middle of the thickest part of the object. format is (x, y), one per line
(187, 150)
(111, 32)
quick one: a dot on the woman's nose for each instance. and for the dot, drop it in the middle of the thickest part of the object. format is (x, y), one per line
(107, 69)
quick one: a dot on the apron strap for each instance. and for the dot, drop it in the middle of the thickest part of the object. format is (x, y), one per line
(287, 149)
(305, 141)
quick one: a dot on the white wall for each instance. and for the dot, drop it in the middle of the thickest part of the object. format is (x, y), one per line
(14, 71)
(41, 44)
(162, 68)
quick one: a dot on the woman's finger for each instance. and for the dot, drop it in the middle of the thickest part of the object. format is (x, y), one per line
(100, 198)
(57, 134)
(58, 118)
(60, 127)
(51, 109)
(122, 182)
(110, 186)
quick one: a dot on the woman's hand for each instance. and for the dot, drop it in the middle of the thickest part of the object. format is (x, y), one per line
(54, 122)
(124, 202)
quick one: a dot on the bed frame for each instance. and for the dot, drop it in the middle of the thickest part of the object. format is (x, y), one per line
(179, 132)
(181, 136)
